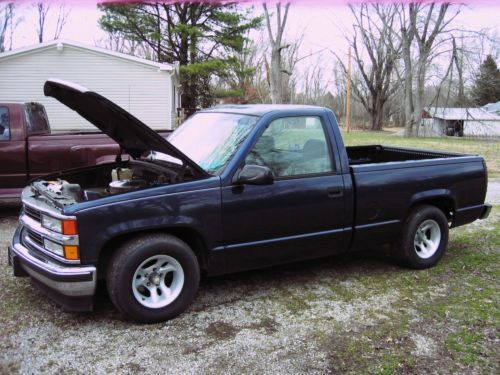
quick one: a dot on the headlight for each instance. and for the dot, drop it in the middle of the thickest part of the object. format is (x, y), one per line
(51, 223)
(53, 247)
(59, 226)
(70, 252)
(69, 248)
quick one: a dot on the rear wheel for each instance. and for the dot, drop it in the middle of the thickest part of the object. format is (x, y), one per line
(424, 238)
(153, 278)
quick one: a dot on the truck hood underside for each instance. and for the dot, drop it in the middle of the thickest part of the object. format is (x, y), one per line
(133, 136)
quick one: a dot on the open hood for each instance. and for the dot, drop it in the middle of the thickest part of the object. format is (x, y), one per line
(133, 136)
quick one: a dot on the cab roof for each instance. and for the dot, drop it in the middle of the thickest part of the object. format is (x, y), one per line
(261, 109)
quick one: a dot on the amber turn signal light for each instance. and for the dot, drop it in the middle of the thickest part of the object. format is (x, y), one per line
(71, 252)
(69, 227)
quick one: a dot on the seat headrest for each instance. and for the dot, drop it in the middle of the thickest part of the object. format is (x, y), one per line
(314, 148)
(265, 143)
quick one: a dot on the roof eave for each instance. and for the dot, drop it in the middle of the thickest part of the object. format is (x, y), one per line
(46, 45)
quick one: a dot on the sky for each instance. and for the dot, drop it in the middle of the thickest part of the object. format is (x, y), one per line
(323, 24)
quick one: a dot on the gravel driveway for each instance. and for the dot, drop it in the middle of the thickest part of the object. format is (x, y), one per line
(493, 194)
(355, 313)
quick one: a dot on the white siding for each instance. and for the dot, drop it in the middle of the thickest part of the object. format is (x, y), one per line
(482, 129)
(141, 89)
(430, 127)
(434, 127)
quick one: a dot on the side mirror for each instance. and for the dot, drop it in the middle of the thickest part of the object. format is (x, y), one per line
(254, 175)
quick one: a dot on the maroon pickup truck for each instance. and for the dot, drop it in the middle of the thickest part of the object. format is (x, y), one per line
(29, 150)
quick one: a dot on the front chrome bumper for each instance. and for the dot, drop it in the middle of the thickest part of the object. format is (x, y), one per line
(70, 281)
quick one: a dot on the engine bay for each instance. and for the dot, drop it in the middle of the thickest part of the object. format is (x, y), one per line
(86, 184)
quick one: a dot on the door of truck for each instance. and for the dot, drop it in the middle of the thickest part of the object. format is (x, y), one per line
(300, 215)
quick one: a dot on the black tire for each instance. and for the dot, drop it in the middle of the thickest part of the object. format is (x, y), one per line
(126, 261)
(412, 255)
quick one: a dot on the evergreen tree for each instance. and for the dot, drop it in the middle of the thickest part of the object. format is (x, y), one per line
(201, 36)
(486, 87)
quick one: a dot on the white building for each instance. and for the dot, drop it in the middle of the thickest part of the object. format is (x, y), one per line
(492, 108)
(147, 89)
(459, 122)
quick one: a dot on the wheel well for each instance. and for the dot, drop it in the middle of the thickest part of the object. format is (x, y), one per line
(188, 235)
(445, 204)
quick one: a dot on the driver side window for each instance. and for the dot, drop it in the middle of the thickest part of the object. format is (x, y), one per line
(293, 146)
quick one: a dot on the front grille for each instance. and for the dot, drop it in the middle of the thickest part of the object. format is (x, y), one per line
(35, 237)
(34, 243)
(32, 213)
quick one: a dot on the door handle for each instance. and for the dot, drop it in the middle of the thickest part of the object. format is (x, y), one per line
(335, 193)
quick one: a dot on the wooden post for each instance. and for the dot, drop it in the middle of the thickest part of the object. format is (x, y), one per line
(348, 98)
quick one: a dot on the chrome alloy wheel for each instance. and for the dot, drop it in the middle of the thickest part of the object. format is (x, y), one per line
(158, 281)
(427, 239)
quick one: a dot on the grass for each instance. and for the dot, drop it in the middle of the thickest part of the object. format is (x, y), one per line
(454, 306)
(487, 148)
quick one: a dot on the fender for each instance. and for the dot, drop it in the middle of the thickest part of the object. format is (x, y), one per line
(189, 234)
(149, 224)
(197, 210)
(433, 195)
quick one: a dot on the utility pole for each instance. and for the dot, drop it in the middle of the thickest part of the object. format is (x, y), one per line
(348, 98)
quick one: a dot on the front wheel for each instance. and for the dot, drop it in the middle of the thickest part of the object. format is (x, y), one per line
(153, 278)
(424, 238)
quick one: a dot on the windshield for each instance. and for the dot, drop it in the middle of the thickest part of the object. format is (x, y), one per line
(210, 139)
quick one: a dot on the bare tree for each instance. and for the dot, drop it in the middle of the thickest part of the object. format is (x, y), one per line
(340, 88)
(456, 62)
(8, 23)
(42, 10)
(315, 88)
(422, 26)
(375, 53)
(116, 41)
(276, 69)
(289, 59)
(62, 17)
(13, 24)
(4, 25)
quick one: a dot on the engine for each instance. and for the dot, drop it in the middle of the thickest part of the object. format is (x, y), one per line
(102, 181)
(122, 186)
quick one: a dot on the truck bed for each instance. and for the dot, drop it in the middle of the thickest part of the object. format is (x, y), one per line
(359, 155)
(388, 181)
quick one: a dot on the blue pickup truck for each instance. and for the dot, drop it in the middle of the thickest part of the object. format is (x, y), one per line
(234, 188)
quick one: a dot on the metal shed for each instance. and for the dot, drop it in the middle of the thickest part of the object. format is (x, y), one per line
(459, 122)
(492, 108)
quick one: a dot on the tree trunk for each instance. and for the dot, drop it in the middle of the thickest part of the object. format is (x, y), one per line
(377, 114)
(275, 77)
(425, 34)
(408, 82)
(408, 105)
(419, 97)
(276, 88)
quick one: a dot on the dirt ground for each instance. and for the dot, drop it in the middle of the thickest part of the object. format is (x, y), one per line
(359, 313)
